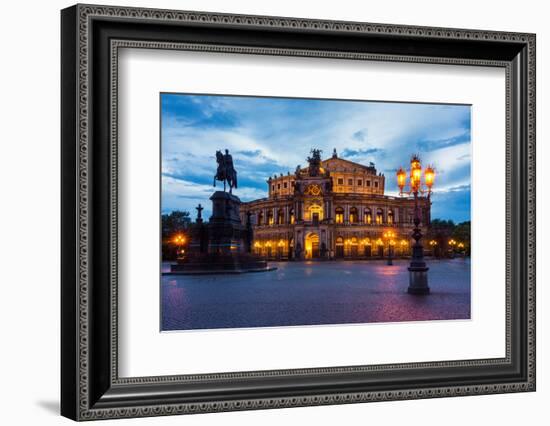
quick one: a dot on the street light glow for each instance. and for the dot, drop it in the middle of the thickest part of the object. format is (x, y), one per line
(416, 177)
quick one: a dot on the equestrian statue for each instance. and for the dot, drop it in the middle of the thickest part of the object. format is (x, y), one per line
(226, 172)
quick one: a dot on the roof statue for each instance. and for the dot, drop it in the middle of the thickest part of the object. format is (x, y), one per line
(315, 162)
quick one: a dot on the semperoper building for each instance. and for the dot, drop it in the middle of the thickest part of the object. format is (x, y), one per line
(333, 208)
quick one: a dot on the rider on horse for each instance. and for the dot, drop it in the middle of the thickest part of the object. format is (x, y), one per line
(226, 172)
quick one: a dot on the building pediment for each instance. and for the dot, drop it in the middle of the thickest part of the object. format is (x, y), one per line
(343, 165)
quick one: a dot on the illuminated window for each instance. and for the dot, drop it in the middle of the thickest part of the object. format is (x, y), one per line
(339, 215)
(379, 216)
(280, 217)
(353, 215)
(270, 217)
(314, 213)
(291, 214)
(390, 217)
(367, 217)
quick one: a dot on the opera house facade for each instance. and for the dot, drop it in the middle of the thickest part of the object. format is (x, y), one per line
(332, 209)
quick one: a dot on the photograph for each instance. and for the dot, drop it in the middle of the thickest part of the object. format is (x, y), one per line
(280, 211)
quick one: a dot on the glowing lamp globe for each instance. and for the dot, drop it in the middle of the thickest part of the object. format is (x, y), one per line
(401, 178)
(416, 172)
(429, 176)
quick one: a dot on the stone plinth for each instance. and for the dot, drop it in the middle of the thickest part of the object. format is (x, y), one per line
(210, 263)
(221, 245)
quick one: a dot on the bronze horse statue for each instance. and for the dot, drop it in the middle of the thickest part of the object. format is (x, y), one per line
(226, 172)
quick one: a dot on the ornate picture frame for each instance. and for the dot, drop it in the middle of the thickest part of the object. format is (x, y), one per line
(91, 386)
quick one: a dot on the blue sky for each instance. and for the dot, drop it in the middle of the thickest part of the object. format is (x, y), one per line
(268, 136)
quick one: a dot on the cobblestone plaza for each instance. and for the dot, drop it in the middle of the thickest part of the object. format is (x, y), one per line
(315, 293)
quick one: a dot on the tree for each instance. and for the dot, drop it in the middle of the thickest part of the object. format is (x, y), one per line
(175, 223)
(461, 233)
(441, 224)
(439, 231)
(443, 232)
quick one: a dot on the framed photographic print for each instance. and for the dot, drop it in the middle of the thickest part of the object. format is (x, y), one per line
(263, 212)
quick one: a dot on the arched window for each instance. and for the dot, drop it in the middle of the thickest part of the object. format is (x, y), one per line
(390, 217)
(353, 215)
(270, 217)
(339, 247)
(339, 215)
(367, 247)
(291, 216)
(367, 216)
(379, 217)
(314, 213)
(354, 247)
(280, 217)
(260, 218)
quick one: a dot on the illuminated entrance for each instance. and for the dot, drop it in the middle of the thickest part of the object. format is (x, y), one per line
(312, 246)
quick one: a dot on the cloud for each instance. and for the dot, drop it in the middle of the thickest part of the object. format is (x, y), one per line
(268, 136)
(456, 200)
(360, 135)
(255, 153)
(357, 152)
(427, 145)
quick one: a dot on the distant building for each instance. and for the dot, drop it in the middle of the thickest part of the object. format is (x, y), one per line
(333, 208)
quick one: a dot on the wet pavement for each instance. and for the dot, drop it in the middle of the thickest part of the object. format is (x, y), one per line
(310, 293)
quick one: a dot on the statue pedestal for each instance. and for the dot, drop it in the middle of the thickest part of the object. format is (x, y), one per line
(220, 245)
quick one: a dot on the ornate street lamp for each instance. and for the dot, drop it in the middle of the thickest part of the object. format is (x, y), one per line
(179, 241)
(452, 244)
(404, 244)
(418, 271)
(462, 249)
(433, 245)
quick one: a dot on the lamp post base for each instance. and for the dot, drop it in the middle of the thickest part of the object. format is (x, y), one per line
(418, 280)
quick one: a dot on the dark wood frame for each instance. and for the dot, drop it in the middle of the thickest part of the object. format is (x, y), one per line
(90, 386)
